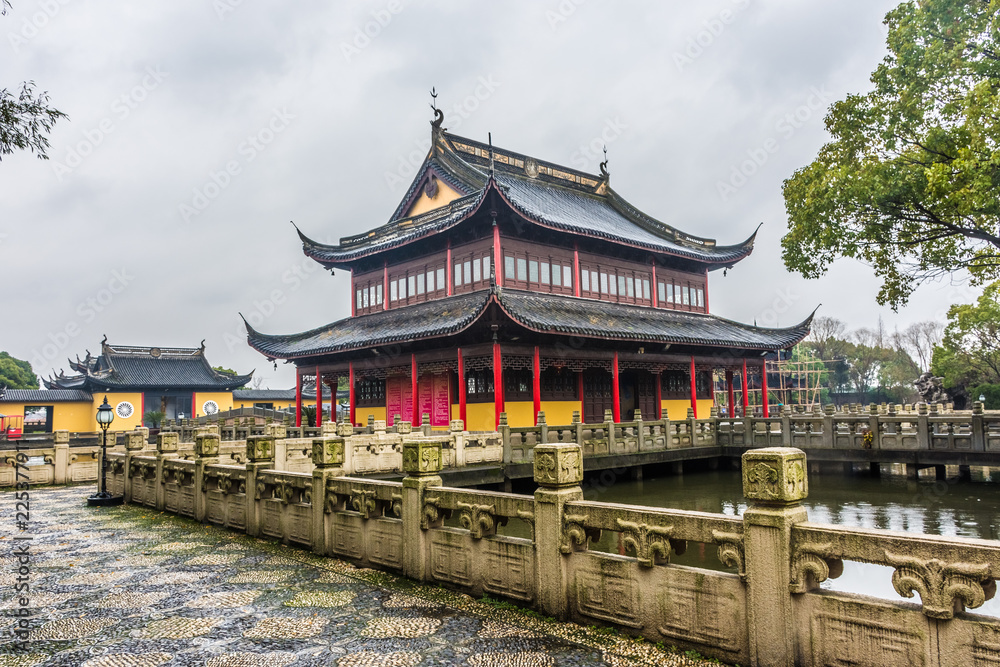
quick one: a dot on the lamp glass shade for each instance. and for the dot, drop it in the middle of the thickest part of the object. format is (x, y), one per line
(105, 414)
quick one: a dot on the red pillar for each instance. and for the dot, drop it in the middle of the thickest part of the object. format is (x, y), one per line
(319, 398)
(763, 387)
(616, 408)
(417, 417)
(732, 393)
(350, 392)
(354, 296)
(194, 405)
(536, 384)
(706, 290)
(447, 269)
(576, 271)
(497, 383)
(746, 386)
(659, 395)
(298, 398)
(385, 287)
(656, 300)
(497, 256)
(462, 387)
(579, 392)
(694, 392)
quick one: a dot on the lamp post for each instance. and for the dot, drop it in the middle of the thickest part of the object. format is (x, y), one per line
(105, 415)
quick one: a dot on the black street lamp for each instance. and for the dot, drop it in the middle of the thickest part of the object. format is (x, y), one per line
(105, 415)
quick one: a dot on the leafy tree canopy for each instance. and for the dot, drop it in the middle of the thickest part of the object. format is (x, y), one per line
(909, 182)
(16, 374)
(969, 353)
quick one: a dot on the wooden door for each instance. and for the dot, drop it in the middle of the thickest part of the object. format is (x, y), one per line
(597, 396)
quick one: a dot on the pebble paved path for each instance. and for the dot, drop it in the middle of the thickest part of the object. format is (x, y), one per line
(130, 587)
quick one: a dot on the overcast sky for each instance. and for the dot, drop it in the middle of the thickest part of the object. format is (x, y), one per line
(199, 129)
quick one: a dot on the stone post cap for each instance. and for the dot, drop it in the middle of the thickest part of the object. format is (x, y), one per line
(276, 431)
(558, 465)
(775, 475)
(329, 428)
(379, 426)
(422, 458)
(342, 430)
(206, 444)
(541, 418)
(609, 415)
(135, 440)
(112, 438)
(456, 426)
(403, 427)
(425, 420)
(328, 452)
(503, 419)
(829, 409)
(576, 416)
(637, 415)
(61, 437)
(977, 407)
(690, 414)
(260, 448)
(167, 442)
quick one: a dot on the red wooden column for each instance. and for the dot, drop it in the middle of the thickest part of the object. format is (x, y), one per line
(746, 385)
(763, 387)
(447, 268)
(576, 271)
(694, 392)
(659, 395)
(536, 384)
(319, 398)
(497, 382)
(732, 393)
(656, 300)
(298, 398)
(414, 384)
(350, 392)
(579, 391)
(497, 257)
(706, 290)
(462, 387)
(616, 408)
(385, 286)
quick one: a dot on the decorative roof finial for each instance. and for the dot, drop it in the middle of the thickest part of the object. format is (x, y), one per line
(489, 136)
(604, 165)
(438, 114)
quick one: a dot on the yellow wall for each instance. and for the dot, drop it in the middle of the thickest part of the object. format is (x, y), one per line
(677, 409)
(361, 415)
(424, 203)
(559, 413)
(69, 416)
(481, 417)
(521, 413)
(119, 424)
(223, 398)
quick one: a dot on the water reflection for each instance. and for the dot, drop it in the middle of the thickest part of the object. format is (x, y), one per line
(951, 508)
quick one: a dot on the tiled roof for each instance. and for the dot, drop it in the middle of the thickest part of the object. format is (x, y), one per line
(130, 367)
(424, 320)
(264, 394)
(45, 396)
(544, 313)
(547, 194)
(549, 313)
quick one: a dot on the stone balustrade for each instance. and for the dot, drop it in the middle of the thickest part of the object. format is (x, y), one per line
(768, 608)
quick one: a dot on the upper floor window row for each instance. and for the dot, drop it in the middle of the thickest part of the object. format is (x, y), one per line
(537, 272)
(368, 296)
(416, 284)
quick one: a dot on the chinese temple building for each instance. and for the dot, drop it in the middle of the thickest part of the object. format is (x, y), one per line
(176, 381)
(504, 283)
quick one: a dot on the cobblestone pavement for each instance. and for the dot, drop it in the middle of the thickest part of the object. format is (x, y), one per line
(131, 587)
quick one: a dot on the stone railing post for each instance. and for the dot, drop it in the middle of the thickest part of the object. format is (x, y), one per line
(786, 426)
(828, 438)
(874, 427)
(923, 427)
(577, 428)
(135, 443)
(543, 429)
(640, 438)
(421, 463)
(504, 429)
(774, 480)
(609, 426)
(456, 433)
(978, 433)
(328, 461)
(558, 471)
(260, 456)
(166, 448)
(692, 425)
(206, 452)
(425, 424)
(278, 432)
(60, 459)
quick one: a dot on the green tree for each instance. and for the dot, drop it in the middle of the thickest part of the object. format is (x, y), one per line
(969, 353)
(909, 182)
(16, 374)
(228, 371)
(25, 116)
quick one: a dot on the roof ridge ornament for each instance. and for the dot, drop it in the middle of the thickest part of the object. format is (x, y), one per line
(438, 114)
(605, 183)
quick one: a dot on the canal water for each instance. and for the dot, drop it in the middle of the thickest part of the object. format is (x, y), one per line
(891, 502)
